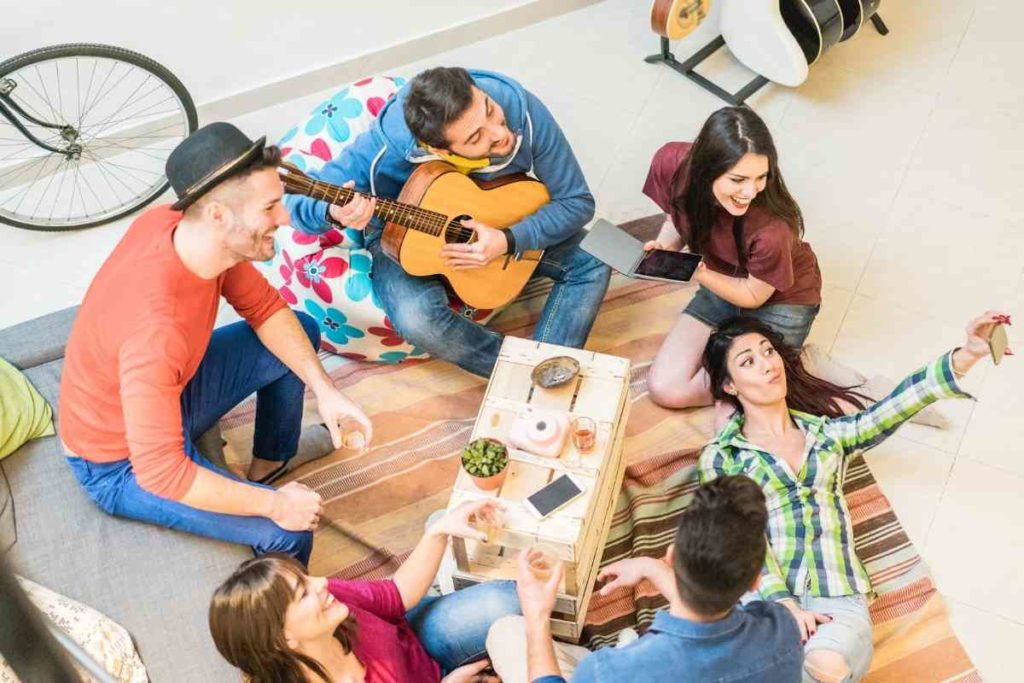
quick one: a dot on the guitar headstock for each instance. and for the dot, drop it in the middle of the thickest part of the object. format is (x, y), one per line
(295, 179)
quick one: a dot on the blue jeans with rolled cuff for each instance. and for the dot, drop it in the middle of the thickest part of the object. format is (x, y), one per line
(236, 365)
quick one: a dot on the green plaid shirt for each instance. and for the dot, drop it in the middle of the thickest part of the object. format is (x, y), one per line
(810, 531)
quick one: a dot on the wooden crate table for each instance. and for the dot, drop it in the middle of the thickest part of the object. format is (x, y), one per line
(577, 532)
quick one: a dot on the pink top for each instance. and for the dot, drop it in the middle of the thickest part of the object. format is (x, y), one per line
(385, 642)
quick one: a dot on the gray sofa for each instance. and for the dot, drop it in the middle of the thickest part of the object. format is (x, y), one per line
(155, 582)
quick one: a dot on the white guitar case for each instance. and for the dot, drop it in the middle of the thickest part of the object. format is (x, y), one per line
(759, 38)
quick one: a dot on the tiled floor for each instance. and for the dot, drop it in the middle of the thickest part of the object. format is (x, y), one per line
(904, 152)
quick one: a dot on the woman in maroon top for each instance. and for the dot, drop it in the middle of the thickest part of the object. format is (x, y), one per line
(726, 200)
(279, 625)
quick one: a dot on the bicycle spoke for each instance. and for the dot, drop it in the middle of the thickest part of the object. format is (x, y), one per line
(103, 174)
(46, 96)
(60, 95)
(25, 169)
(20, 144)
(111, 168)
(99, 92)
(92, 76)
(118, 109)
(132, 168)
(22, 168)
(89, 130)
(74, 188)
(47, 188)
(24, 104)
(121, 107)
(78, 92)
(56, 197)
(85, 181)
(100, 148)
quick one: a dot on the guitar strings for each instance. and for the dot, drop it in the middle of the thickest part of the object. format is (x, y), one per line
(419, 218)
(422, 218)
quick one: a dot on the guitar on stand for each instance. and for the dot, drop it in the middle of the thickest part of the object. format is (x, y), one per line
(428, 214)
(817, 25)
(675, 19)
(777, 39)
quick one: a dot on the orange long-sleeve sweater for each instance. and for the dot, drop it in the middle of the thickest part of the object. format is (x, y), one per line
(138, 339)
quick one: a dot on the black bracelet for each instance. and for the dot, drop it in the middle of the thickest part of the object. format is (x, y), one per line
(330, 219)
(511, 239)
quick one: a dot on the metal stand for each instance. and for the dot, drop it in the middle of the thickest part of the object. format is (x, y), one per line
(739, 97)
(687, 69)
(879, 24)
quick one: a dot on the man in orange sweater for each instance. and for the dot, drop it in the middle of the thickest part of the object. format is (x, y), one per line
(146, 373)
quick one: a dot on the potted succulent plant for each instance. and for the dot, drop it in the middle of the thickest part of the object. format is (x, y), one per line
(486, 460)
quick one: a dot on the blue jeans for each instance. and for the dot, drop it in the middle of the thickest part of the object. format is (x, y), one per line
(848, 633)
(790, 321)
(418, 306)
(235, 365)
(453, 628)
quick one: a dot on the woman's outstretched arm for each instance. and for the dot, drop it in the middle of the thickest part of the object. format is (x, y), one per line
(937, 380)
(417, 573)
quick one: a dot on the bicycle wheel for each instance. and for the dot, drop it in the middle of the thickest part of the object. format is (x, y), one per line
(118, 116)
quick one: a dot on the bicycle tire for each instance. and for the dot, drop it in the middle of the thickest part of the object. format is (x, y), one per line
(136, 59)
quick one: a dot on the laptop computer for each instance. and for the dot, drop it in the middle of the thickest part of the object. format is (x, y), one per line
(625, 253)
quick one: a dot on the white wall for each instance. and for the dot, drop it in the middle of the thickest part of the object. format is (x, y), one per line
(220, 48)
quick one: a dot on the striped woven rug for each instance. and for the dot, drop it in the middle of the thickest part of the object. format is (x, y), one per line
(423, 413)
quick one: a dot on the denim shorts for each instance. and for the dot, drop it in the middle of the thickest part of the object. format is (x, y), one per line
(791, 321)
(848, 633)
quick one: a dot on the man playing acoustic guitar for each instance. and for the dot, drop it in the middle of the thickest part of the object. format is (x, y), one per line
(488, 126)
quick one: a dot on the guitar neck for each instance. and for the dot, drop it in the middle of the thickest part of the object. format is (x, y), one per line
(388, 210)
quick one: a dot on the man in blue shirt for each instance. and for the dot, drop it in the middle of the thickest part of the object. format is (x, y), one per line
(487, 126)
(704, 636)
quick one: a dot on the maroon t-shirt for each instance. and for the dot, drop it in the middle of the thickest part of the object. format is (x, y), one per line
(774, 254)
(385, 642)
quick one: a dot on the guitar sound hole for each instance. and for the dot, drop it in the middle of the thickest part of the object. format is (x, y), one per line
(457, 233)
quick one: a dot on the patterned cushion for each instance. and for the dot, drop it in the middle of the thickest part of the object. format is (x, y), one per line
(328, 275)
(105, 641)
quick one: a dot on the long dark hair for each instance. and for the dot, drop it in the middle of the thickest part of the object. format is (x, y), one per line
(726, 136)
(804, 391)
(247, 622)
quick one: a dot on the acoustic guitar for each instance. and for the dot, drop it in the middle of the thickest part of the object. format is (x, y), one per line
(817, 25)
(758, 37)
(676, 19)
(855, 14)
(428, 214)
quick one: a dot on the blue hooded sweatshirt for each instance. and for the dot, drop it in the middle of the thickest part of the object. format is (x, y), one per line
(382, 159)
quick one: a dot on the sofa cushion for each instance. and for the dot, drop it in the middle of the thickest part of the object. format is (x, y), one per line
(155, 582)
(108, 643)
(37, 341)
(24, 415)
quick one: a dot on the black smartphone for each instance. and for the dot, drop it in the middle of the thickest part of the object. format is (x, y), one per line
(672, 266)
(553, 496)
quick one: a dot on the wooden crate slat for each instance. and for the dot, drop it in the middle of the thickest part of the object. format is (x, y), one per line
(566, 604)
(577, 531)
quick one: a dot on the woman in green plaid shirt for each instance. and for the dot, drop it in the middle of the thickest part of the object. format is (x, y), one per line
(793, 437)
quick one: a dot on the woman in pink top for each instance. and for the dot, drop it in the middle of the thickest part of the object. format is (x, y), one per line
(279, 625)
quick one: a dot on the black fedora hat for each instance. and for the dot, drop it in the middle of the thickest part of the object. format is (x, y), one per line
(207, 157)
